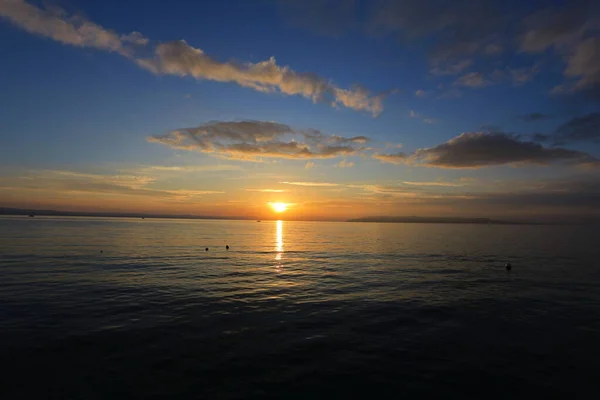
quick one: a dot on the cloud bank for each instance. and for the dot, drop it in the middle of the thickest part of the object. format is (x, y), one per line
(483, 149)
(254, 140)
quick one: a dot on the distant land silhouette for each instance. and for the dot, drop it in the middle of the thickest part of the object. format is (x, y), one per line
(382, 219)
(441, 220)
(57, 213)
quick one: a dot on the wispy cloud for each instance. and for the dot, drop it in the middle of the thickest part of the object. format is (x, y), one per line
(72, 30)
(192, 168)
(396, 158)
(98, 184)
(473, 80)
(521, 76)
(414, 114)
(535, 116)
(309, 165)
(345, 164)
(266, 190)
(180, 58)
(254, 140)
(436, 183)
(315, 184)
(569, 31)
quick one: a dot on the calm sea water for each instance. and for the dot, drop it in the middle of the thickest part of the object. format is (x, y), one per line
(105, 308)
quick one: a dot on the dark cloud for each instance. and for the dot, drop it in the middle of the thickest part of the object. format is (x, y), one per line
(476, 150)
(571, 31)
(586, 128)
(533, 117)
(253, 140)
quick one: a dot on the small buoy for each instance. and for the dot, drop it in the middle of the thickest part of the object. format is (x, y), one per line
(101, 251)
(206, 249)
(508, 266)
(227, 247)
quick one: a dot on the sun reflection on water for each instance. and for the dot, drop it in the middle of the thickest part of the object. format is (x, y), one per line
(279, 241)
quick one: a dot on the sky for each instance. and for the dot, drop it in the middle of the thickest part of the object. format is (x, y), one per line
(340, 109)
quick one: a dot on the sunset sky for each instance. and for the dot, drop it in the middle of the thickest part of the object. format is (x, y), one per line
(340, 109)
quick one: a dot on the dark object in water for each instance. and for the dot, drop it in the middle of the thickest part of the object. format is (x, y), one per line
(101, 251)
(31, 215)
(206, 249)
(258, 220)
(508, 266)
(227, 247)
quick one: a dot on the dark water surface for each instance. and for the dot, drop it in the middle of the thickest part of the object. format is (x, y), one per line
(107, 308)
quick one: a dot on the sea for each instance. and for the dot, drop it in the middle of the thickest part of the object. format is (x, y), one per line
(104, 308)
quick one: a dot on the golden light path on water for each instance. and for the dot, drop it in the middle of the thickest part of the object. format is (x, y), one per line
(279, 241)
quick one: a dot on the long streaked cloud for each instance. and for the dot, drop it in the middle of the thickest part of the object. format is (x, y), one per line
(72, 30)
(314, 184)
(255, 140)
(266, 190)
(483, 149)
(181, 59)
(98, 184)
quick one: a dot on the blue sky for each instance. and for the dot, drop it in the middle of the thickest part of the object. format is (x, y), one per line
(429, 107)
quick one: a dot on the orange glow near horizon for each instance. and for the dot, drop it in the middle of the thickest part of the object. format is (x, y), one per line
(279, 207)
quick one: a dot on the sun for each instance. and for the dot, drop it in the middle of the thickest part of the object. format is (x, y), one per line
(278, 207)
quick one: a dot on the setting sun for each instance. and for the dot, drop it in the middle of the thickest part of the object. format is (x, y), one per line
(278, 207)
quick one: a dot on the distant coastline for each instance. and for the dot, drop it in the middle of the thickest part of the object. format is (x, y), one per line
(442, 220)
(4, 211)
(58, 213)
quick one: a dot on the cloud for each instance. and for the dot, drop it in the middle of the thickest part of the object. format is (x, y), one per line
(475, 150)
(451, 69)
(253, 140)
(414, 114)
(571, 31)
(314, 184)
(397, 158)
(345, 164)
(394, 145)
(72, 30)
(521, 76)
(473, 80)
(266, 190)
(460, 29)
(135, 38)
(99, 184)
(437, 183)
(191, 168)
(181, 59)
(420, 93)
(533, 117)
(586, 128)
(309, 165)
